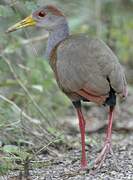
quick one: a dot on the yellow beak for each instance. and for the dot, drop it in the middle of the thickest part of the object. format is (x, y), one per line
(29, 21)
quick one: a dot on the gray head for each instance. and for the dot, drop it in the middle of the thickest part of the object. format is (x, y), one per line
(48, 17)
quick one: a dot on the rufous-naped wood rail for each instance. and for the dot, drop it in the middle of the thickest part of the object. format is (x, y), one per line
(85, 68)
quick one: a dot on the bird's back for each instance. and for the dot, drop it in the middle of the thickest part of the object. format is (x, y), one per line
(88, 63)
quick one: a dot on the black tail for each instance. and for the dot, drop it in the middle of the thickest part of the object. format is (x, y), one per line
(111, 100)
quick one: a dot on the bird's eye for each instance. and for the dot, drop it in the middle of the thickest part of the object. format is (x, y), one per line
(41, 14)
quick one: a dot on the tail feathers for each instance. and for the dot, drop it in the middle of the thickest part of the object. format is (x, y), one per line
(111, 100)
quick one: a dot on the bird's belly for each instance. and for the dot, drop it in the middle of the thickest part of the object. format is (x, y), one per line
(70, 83)
(76, 89)
(82, 94)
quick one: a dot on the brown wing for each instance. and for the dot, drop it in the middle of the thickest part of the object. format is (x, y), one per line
(86, 64)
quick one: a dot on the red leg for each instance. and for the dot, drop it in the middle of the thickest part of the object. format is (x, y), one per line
(82, 131)
(107, 145)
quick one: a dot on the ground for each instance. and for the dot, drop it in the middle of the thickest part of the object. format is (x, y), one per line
(67, 165)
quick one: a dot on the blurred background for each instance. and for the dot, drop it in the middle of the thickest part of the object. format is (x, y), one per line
(32, 108)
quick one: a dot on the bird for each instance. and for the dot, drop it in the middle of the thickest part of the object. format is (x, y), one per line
(85, 68)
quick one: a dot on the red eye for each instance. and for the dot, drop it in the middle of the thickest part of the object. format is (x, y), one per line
(41, 14)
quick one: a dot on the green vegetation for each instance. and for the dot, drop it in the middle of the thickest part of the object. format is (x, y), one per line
(30, 101)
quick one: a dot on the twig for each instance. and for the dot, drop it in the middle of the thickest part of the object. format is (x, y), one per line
(22, 113)
(17, 108)
(24, 88)
(34, 40)
(44, 147)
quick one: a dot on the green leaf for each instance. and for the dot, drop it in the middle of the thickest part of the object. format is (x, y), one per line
(12, 149)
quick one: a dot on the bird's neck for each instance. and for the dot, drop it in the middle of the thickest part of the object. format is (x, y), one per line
(55, 37)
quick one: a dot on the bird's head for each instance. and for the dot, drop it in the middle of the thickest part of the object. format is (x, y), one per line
(48, 17)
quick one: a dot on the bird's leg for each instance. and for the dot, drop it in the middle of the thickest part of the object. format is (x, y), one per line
(107, 145)
(82, 131)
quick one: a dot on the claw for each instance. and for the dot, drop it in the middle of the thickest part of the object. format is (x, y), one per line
(102, 156)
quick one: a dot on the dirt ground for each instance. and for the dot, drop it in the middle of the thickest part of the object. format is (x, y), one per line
(66, 164)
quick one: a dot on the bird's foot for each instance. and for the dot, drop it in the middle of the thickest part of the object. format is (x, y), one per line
(95, 165)
(102, 156)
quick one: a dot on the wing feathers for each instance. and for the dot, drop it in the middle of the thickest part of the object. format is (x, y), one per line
(118, 80)
(93, 98)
